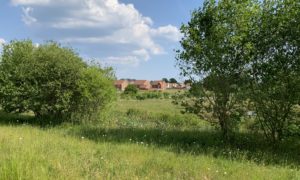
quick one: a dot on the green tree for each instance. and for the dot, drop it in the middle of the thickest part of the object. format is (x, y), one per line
(215, 51)
(131, 89)
(165, 79)
(172, 80)
(275, 68)
(47, 80)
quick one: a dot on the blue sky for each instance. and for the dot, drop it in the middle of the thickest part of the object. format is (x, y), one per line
(136, 37)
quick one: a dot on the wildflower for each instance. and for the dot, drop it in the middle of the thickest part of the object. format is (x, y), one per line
(20, 138)
(82, 137)
(225, 173)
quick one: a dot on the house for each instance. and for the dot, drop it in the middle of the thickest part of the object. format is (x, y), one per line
(142, 84)
(121, 84)
(172, 86)
(162, 85)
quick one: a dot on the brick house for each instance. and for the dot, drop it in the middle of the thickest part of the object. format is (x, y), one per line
(158, 85)
(172, 85)
(121, 84)
(142, 84)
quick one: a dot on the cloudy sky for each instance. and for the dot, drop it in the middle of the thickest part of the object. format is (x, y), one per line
(136, 37)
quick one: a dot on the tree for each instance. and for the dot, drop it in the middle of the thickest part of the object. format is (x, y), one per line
(131, 89)
(172, 80)
(165, 79)
(187, 81)
(275, 68)
(49, 80)
(215, 51)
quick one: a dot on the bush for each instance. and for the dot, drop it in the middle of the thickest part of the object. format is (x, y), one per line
(131, 89)
(51, 81)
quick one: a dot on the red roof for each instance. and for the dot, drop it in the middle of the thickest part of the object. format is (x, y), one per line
(119, 82)
(140, 82)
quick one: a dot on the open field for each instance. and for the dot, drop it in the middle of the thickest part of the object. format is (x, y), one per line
(139, 140)
(150, 105)
(33, 153)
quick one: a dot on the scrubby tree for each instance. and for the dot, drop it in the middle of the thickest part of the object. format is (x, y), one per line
(275, 68)
(215, 52)
(50, 80)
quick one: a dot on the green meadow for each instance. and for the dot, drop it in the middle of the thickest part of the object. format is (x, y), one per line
(147, 139)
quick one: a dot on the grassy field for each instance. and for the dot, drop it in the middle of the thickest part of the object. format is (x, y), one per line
(150, 105)
(139, 140)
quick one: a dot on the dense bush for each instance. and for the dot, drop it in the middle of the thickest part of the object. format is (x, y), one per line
(131, 90)
(51, 81)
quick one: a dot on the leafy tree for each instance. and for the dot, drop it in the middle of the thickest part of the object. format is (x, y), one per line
(165, 79)
(215, 51)
(131, 89)
(172, 80)
(188, 81)
(275, 69)
(50, 80)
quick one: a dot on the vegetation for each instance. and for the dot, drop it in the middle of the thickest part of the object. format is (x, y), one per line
(51, 81)
(214, 50)
(134, 142)
(172, 80)
(243, 56)
(275, 72)
(131, 90)
(242, 60)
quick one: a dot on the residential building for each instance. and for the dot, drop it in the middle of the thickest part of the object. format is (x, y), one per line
(121, 84)
(142, 84)
(161, 85)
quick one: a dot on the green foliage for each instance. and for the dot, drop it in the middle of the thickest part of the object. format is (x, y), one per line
(95, 92)
(51, 81)
(165, 80)
(213, 56)
(172, 80)
(275, 68)
(131, 89)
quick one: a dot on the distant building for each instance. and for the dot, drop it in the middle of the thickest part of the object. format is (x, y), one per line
(172, 85)
(141, 84)
(161, 85)
(121, 84)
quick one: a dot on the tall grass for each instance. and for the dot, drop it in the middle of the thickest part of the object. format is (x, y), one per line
(138, 140)
(32, 153)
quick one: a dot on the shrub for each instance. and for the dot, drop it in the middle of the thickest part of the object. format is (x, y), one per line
(51, 81)
(131, 89)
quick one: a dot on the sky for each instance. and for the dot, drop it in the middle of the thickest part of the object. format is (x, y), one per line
(136, 37)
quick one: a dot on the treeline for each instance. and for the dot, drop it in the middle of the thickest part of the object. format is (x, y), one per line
(243, 56)
(53, 82)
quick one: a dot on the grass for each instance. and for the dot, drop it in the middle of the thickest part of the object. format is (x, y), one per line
(33, 153)
(146, 139)
(150, 105)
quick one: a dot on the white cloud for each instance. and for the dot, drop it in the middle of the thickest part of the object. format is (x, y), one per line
(30, 2)
(142, 53)
(101, 22)
(2, 41)
(170, 32)
(26, 17)
(119, 60)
